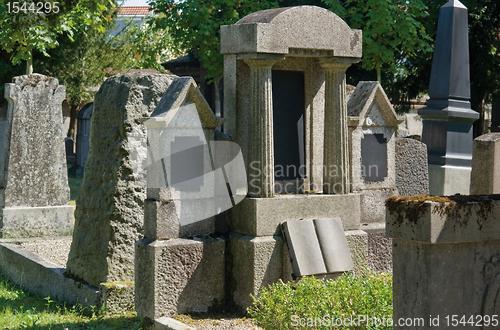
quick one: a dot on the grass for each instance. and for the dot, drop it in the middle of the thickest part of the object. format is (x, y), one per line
(22, 310)
(318, 303)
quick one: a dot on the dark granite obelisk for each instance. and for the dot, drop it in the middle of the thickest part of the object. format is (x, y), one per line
(448, 117)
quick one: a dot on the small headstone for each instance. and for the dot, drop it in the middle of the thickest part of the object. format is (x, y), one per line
(83, 137)
(109, 208)
(485, 176)
(69, 145)
(412, 173)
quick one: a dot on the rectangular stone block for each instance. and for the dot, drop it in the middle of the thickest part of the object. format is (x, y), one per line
(178, 276)
(485, 175)
(37, 221)
(262, 216)
(254, 262)
(161, 221)
(444, 220)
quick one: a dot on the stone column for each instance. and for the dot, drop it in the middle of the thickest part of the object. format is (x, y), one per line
(335, 154)
(261, 145)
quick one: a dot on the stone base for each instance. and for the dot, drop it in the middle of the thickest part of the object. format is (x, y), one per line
(262, 216)
(255, 262)
(372, 204)
(117, 297)
(37, 221)
(449, 180)
(178, 276)
(358, 244)
(379, 248)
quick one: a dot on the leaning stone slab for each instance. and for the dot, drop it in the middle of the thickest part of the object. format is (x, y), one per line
(446, 254)
(178, 276)
(33, 174)
(485, 175)
(167, 323)
(109, 209)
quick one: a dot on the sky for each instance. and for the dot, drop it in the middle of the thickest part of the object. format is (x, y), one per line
(136, 3)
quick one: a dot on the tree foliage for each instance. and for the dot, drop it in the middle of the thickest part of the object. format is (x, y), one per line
(391, 30)
(24, 32)
(195, 25)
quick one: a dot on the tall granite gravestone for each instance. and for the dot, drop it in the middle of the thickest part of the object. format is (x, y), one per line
(448, 117)
(34, 189)
(109, 208)
(83, 137)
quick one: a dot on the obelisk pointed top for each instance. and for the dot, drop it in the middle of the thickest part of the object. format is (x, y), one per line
(454, 3)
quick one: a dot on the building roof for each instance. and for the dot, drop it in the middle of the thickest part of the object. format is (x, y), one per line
(134, 10)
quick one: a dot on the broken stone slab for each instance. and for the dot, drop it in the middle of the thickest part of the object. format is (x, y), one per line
(110, 206)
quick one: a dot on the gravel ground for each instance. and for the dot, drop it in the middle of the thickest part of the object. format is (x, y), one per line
(55, 249)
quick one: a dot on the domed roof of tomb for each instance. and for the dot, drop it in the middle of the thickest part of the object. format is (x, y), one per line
(299, 31)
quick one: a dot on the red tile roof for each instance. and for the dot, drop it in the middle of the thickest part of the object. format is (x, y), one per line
(134, 10)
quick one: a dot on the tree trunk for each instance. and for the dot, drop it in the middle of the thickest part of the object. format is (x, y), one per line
(29, 64)
(72, 121)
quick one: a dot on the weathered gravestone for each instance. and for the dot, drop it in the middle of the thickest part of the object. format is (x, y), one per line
(372, 130)
(485, 175)
(83, 137)
(109, 211)
(34, 189)
(412, 173)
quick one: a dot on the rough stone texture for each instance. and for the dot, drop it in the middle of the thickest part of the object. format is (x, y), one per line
(412, 172)
(253, 262)
(485, 175)
(358, 244)
(439, 247)
(33, 172)
(379, 248)
(278, 30)
(178, 276)
(109, 211)
(33, 175)
(373, 204)
(262, 216)
(117, 297)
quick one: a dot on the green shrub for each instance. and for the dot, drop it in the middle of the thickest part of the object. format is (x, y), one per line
(334, 304)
